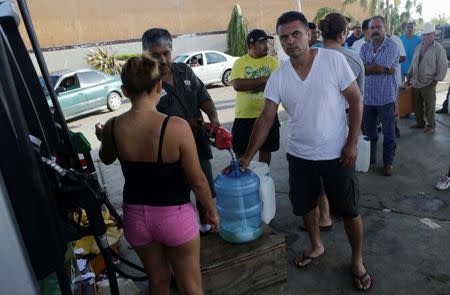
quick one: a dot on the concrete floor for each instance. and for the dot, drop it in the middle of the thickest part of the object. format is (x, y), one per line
(403, 255)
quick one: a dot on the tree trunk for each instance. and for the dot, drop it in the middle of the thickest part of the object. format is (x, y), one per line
(388, 17)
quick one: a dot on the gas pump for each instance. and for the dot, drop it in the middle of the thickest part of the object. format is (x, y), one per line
(43, 175)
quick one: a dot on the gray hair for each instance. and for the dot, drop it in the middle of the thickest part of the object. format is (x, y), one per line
(156, 37)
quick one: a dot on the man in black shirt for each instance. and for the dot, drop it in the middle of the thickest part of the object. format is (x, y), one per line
(183, 95)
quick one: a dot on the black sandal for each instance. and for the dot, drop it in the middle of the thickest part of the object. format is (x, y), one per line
(361, 278)
(304, 257)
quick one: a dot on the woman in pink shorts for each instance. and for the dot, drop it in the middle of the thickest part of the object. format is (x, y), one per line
(160, 165)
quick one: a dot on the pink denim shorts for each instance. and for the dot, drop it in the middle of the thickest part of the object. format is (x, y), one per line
(170, 225)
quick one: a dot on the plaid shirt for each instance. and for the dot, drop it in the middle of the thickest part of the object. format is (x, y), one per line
(380, 89)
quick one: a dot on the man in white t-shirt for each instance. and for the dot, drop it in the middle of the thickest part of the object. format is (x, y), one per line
(313, 86)
(367, 37)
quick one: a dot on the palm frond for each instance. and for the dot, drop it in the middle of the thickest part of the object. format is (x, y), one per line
(102, 61)
(322, 12)
(419, 8)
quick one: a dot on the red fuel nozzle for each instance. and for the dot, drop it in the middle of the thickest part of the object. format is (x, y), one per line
(220, 137)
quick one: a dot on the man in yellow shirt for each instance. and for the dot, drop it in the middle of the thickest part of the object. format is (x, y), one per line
(249, 76)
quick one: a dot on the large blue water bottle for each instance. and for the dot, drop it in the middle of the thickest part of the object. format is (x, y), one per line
(239, 205)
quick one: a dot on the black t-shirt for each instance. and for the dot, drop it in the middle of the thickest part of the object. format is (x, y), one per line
(184, 99)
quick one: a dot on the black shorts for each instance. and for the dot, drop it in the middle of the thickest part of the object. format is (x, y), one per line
(242, 130)
(340, 184)
(207, 170)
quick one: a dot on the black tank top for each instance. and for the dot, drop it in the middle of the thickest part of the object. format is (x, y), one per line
(154, 184)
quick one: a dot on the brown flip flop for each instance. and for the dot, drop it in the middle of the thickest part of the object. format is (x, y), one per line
(305, 257)
(361, 278)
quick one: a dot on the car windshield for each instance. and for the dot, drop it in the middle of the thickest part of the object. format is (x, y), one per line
(180, 58)
(53, 80)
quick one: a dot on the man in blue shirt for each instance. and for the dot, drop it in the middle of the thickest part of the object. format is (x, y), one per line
(410, 42)
(356, 35)
(379, 57)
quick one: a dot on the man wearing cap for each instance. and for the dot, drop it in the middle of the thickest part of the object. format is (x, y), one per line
(429, 65)
(249, 76)
(356, 35)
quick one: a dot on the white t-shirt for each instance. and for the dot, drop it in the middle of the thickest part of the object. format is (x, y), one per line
(398, 66)
(317, 123)
(358, 44)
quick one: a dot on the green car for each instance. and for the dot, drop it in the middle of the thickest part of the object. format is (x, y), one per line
(85, 91)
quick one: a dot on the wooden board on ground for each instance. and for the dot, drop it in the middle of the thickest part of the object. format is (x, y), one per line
(257, 267)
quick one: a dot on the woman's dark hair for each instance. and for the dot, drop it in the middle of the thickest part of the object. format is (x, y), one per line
(140, 74)
(291, 16)
(332, 25)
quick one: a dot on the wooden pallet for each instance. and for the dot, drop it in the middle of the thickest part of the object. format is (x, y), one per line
(257, 267)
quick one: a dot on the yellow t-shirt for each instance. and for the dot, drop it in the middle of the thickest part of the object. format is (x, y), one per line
(249, 104)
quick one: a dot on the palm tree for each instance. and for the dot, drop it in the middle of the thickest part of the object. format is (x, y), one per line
(375, 6)
(324, 11)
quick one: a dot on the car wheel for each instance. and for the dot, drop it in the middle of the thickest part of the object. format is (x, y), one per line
(226, 78)
(113, 101)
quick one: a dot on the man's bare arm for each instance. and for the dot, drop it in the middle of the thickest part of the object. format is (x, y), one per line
(257, 84)
(354, 98)
(260, 131)
(209, 108)
(377, 69)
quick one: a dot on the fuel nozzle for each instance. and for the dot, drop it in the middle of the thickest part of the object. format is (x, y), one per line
(219, 137)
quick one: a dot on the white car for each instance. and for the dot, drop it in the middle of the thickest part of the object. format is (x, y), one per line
(209, 65)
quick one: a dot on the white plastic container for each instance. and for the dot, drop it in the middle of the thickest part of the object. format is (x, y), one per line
(363, 158)
(266, 190)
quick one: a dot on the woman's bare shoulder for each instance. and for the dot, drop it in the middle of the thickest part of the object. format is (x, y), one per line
(179, 124)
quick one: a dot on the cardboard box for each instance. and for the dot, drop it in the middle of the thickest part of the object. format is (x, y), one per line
(405, 102)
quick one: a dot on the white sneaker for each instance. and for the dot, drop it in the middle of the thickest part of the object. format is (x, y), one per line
(443, 183)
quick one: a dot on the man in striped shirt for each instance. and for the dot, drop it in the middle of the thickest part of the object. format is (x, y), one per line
(379, 57)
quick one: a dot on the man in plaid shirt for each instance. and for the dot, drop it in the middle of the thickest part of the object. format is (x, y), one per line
(380, 57)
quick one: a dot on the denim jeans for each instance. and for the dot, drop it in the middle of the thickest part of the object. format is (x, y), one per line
(384, 114)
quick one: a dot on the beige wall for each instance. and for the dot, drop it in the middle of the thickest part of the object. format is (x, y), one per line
(69, 22)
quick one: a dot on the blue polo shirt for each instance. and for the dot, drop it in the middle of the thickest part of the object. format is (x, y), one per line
(410, 45)
(352, 38)
(380, 89)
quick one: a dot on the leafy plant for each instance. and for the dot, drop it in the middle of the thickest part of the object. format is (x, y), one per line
(237, 33)
(441, 19)
(102, 61)
(324, 11)
(125, 56)
(398, 20)
(390, 10)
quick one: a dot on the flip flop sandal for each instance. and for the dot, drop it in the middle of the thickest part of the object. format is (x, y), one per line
(361, 278)
(304, 257)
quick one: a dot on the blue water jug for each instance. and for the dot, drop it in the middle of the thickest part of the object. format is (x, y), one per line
(238, 204)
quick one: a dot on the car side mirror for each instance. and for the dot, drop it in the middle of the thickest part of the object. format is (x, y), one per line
(59, 90)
